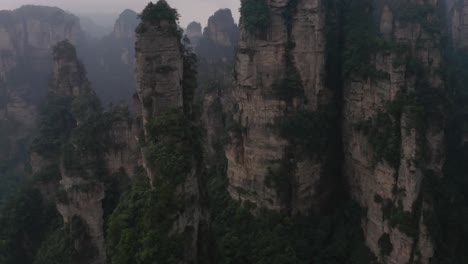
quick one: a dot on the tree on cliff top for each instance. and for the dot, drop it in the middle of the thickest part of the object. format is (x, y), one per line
(256, 14)
(64, 50)
(159, 11)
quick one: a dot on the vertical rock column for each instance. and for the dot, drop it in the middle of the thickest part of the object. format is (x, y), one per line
(80, 193)
(165, 104)
(278, 78)
(215, 52)
(458, 20)
(393, 127)
(158, 71)
(158, 68)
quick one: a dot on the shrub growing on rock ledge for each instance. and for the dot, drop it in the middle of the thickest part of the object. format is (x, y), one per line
(159, 11)
(256, 14)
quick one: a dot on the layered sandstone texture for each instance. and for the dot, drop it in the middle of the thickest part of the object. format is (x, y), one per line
(83, 193)
(159, 73)
(158, 69)
(68, 74)
(255, 148)
(387, 150)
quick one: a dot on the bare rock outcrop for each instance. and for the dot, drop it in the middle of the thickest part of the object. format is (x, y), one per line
(158, 68)
(165, 102)
(276, 81)
(89, 147)
(125, 25)
(81, 191)
(393, 133)
(110, 61)
(216, 54)
(68, 75)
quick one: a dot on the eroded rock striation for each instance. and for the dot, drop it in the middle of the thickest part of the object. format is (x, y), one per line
(293, 111)
(79, 151)
(338, 140)
(393, 129)
(216, 54)
(165, 83)
(279, 78)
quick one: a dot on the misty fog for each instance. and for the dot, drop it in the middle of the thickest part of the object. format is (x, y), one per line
(104, 12)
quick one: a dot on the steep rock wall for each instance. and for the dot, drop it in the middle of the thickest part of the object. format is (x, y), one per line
(279, 72)
(79, 151)
(82, 193)
(215, 51)
(110, 61)
(27, 36)
(158, 69)
(393, 130)
(165, 101)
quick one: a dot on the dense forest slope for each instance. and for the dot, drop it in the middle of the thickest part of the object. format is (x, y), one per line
(312, 132)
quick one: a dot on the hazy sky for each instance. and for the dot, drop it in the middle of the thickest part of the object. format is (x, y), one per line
(190, 10)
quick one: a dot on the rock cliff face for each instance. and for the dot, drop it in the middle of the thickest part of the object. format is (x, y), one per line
(110, 61)
(215, 51)
(68, 74)
(194, 33)
(327, 97)
(89, 148)
(458, 21)
(27, 36)
(391, 100)
(277, 80)
(158, 69)
(82, 192)
(165, 98)
(393, 130)
(125, 25)
(221, 29)
(220, 38)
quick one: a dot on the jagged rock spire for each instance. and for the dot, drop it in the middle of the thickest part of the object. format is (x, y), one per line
(68, 75)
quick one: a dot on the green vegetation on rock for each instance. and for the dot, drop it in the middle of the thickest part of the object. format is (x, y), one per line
(361, 40)
(70, 244)
(274, 237)
(28, 217)
(308, 130)
(446, 212)
(161, 11)
(385, 245)
(139, 228)
(255, 14)
(168, 150)
(142, 228)
(55, 125)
